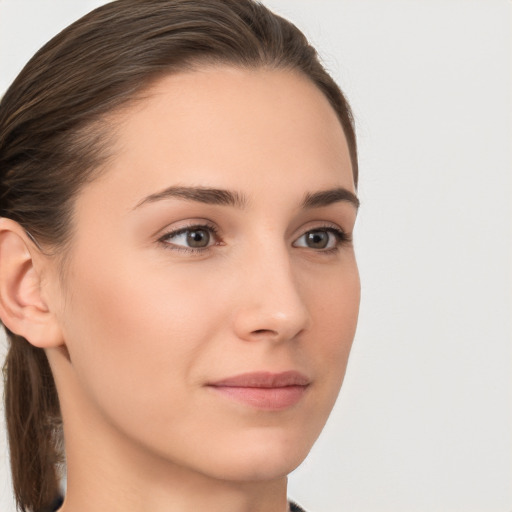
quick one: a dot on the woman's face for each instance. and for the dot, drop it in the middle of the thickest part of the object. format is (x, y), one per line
(216, 245)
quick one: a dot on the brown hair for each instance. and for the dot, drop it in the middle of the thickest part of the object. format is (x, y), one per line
(53, 136)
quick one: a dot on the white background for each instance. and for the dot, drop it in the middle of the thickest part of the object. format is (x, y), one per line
(424, 420)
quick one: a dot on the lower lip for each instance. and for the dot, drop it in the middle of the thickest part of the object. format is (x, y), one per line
(271, 399)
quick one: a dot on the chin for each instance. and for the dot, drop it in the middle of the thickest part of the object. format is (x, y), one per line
(260, 468)
(262, 458)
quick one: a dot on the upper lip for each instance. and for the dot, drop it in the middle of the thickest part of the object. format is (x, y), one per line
(264, 380)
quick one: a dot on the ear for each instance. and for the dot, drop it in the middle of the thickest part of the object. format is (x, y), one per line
(23, 308)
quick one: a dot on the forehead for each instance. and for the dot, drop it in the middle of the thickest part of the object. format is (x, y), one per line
(229, 128)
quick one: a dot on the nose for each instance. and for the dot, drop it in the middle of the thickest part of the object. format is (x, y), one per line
(269, 302)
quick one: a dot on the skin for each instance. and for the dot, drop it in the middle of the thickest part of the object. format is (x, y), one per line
(144, 324)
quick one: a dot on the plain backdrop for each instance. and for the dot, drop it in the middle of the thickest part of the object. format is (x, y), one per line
(424, 419)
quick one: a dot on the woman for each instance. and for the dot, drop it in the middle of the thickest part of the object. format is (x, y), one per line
(177, 278)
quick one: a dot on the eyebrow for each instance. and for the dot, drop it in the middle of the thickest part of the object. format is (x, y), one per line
(327, 197)
(205, 195)
(224, 197)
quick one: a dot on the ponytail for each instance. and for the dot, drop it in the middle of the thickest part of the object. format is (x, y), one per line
(33, 426)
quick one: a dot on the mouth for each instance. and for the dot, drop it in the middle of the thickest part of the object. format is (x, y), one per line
(264, 390)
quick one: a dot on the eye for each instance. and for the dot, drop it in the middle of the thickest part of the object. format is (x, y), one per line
(197, 237)
(321, 239)
(192, 238)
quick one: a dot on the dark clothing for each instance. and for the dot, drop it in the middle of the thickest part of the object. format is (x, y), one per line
(58, 503)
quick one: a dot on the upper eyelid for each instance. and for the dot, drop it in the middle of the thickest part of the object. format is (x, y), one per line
(204, 223)
(180, 231)
(168, 230)
(214, 229)
(319, 225)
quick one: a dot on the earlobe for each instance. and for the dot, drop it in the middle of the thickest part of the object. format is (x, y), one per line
(23, 309)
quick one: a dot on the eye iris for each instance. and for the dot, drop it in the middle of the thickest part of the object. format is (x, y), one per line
(198, 238)
(317, 239)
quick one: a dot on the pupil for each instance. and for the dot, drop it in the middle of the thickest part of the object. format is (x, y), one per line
(198, 238)
(317, 239)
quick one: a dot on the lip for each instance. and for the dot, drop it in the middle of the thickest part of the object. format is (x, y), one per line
(264, 390)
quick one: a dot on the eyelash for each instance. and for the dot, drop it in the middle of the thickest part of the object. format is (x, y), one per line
(342, 238)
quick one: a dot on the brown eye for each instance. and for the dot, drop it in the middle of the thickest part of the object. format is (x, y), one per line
(198, 238)
(317, 239)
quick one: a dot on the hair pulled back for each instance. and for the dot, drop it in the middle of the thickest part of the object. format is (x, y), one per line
(54, 136)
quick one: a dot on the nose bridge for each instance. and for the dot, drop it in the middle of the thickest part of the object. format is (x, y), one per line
(271, 301)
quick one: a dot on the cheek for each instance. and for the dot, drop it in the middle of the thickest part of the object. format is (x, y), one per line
(334, 306)
(334, 310)
(137, 329)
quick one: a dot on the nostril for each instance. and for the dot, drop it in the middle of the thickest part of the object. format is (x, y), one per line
(265, 331)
